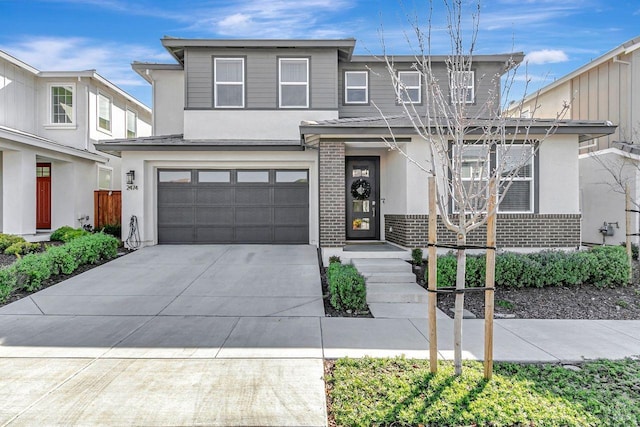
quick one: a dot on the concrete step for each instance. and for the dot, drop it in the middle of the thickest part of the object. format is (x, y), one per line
(395, 293)
(389, 277)
(405, 267)
(377, 261)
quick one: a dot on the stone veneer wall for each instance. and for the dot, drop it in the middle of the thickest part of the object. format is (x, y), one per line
(332, 194)
(513, 230)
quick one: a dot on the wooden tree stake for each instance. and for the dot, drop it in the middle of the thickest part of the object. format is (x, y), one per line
(433, 271)
(628, 230)
(490, 281)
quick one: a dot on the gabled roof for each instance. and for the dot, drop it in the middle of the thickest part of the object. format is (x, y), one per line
(516, 57)
(402, 125)
(176, 46)
(92, 74)
(624, 49)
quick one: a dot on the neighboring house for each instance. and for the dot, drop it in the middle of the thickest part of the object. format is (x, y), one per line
(605, 89)
(279, 141)
(49, 123)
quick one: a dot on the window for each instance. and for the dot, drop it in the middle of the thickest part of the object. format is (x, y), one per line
(253, 176)
(62, 105)
(409, 88)
(356, 85)
(291, 176)
(294, 82)
(214, 176)
(462, 87)
(229, 82)
(177, 177)
(132, 124)
(104, 112)
(516, 165)
(519, 198)
(104, 178)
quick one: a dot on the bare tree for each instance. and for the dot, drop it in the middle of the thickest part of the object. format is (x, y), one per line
(469, 145)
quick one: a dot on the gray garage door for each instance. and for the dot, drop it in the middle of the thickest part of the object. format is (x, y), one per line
(233, 206)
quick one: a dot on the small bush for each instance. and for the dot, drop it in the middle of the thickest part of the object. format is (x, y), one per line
(334, 258)
(22, 248)
(634, 250)
(611, 266)
(114, 230)
(32, 270)
(66, 234)
(62, 261)
(416, 256)
(7, 240)
(346, 287)
(8, 282)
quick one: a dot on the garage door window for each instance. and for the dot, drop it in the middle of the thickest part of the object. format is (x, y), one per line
(214, 176)
(291, 176)
(175, 176)
(253, 176)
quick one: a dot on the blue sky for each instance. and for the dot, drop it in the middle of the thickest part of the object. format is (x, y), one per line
(558, 36)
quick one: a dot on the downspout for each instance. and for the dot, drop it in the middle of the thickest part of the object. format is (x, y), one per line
(88, 126)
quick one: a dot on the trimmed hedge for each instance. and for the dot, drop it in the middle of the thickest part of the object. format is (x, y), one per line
(346, 287)
(30, 271)
(601, 266)
(66, 234)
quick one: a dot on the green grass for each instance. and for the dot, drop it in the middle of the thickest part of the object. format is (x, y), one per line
(402, 392)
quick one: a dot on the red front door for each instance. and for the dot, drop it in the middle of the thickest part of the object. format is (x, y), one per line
(43, 195)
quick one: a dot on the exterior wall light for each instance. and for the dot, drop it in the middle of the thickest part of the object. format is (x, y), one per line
(131, 177)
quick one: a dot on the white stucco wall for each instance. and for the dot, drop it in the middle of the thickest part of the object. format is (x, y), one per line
(558, 181)
(19, 192)
(142, 202)
(602, 199)
(168, 102)
(249, 124)
(17, 97)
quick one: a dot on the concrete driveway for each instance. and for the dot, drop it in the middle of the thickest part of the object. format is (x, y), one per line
(170, 335)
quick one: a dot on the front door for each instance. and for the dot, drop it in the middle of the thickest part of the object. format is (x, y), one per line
(363, 198)
(43, 195)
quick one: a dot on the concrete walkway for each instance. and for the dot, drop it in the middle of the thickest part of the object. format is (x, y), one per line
(225, 335)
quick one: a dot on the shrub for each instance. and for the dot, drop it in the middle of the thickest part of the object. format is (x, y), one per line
(416, 256)
(611, 266)
(66, 234)
(8, 282)
(346, 287)
(32, 270)
(334, 258)
(114, 230)
(7, 240)
(601, 266)
(62, 262)
(634, 250)
(22, 248)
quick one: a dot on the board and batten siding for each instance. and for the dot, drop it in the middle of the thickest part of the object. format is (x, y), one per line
(17, 98)
(261, 79)
(382, 92)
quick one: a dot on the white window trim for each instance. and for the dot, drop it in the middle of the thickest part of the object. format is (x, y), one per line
(455, 208)
(401, 90)
(470, 88)
(126, 122)
(280, 83)
(106, 168)
(365, 87)
(532, 181)
(215, 82)
(110, 98)
(50, 124)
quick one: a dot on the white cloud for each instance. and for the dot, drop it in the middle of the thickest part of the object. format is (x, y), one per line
(546, 56)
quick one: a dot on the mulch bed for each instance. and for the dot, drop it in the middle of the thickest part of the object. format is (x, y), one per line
(329, 311)
(553, 302)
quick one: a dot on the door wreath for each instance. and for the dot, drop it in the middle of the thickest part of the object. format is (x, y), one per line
(361, 189)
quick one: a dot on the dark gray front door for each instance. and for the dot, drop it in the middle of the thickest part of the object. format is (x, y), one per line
(363, 198)
(233, 206)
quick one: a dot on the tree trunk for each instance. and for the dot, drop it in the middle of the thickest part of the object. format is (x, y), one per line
(461, 269)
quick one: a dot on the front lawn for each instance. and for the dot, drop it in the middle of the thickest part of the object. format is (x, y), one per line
(402, 392)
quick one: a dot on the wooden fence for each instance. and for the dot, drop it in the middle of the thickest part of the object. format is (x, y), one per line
(107, 208)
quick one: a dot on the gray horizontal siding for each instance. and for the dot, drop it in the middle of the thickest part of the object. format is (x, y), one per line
(261, 80)
(382, 93)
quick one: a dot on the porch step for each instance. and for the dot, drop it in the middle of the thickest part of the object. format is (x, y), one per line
(384, 265)
(395, 293)
(389, 277)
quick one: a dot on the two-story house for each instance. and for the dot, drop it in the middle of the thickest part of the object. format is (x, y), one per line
(281, 141)
(49, 123)
(603, 89)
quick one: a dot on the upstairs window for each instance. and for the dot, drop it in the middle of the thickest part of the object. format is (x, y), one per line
(294, 82)
(462, 87)
(356, 87)
(132, 124)
(409, 88)
(62, 105)
(104, 112)
(229, 82)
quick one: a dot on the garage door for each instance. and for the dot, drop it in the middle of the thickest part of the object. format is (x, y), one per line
(233, 206)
